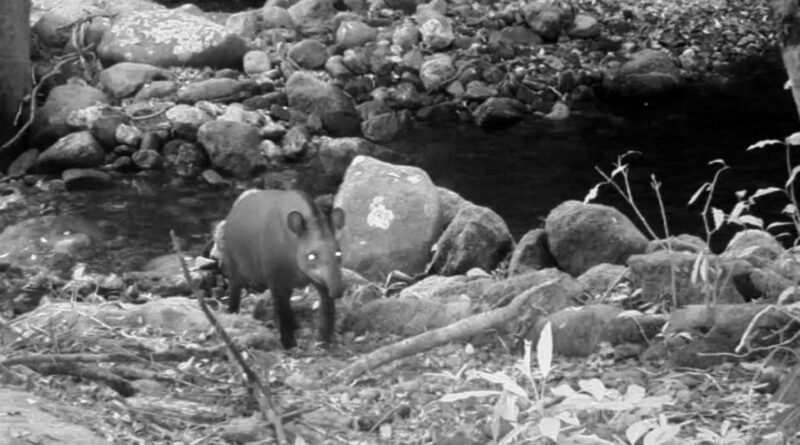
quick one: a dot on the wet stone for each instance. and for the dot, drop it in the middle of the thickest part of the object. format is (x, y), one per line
(148, 159)
(85, 179)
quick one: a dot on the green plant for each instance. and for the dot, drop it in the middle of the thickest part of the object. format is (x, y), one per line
(539, 413)
(623, 188)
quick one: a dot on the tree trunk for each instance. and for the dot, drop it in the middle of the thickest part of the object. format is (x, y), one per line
(787, 17)
(15, 79)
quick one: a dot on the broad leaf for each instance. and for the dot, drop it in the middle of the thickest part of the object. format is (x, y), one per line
(765, 143)
(550, 428)
(737, 210)
(449, 398)
(621, 168)
(634, 394)
(592, 195)
(752, 220)
(765, 191)
(501, 379)
(563, 390)
(793, 139)
(594, 387)
(778, 224)
(698, 193)
(790, 181)
(662, 435)
(526, 359)
(638, 429)
(544, 349)
(718, 216)
(787, 293)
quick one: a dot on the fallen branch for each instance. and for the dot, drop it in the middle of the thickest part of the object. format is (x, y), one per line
(264, 402)
(458, 330)
(115, 382)
(55, 70)
(156, 408)
(119, 357)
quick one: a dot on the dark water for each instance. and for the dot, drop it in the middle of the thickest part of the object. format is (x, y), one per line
(525, 171)
(521, 172)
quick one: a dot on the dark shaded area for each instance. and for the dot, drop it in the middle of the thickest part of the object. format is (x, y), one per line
(216, 5)
(521, 172)
(526, 170)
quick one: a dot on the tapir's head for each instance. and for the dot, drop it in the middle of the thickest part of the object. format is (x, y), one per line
(318, 254)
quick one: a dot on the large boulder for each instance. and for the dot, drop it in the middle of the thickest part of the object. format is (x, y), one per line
(50, 122)
(583, 235)
(437, 70)
(216, 90)
(393, 218)
(565, 289)
(336, 154)
(53, 27)
(649, 72)
(185, 120)
(233, 147)
(311, 95)
(663, 273)
(74, 150)
(477, 237)
(545, 18)
(125, 78)
(354, 33)
(309, 54)
(313, 16)
(170, 38)
(275, 17)
(531, 253)
(758, 247)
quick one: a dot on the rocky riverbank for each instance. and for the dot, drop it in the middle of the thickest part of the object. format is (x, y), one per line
(252, 97)
(216, 95)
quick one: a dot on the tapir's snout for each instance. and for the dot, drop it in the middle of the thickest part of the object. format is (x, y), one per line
(330, 280)
(334, 283)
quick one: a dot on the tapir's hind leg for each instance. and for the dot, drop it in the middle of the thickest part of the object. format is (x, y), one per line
(236, 284)
(235, 298)
(284, 316)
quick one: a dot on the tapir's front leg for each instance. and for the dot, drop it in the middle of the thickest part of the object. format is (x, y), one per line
(284, 316)
(327, 315)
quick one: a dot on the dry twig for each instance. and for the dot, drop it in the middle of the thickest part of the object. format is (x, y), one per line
(56, 69)
(264, 402)
(460, 329)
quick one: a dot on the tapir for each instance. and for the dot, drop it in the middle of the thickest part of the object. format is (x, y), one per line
(282, 240)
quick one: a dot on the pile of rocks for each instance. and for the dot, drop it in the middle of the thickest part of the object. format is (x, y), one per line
(198, 93)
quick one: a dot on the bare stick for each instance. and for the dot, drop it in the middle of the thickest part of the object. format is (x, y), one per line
(428, 340)
(56, 69)
(264, 402)
(114, 381)
(121, 357)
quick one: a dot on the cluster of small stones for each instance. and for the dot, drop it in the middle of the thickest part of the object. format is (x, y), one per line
(320, 77)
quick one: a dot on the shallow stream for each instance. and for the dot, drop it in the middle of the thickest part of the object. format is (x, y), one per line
(521, 172)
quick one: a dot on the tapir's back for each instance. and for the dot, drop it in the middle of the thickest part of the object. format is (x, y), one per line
(259, 246)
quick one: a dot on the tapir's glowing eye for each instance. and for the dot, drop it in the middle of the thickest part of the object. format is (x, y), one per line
(338, 254)
(312, 257)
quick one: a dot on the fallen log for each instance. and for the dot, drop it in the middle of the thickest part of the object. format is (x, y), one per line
(523, 303)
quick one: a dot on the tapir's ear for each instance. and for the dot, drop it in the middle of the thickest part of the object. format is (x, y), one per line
(296, 223)
(337, 218)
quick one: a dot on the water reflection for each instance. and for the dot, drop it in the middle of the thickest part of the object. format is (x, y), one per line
(521, 172)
